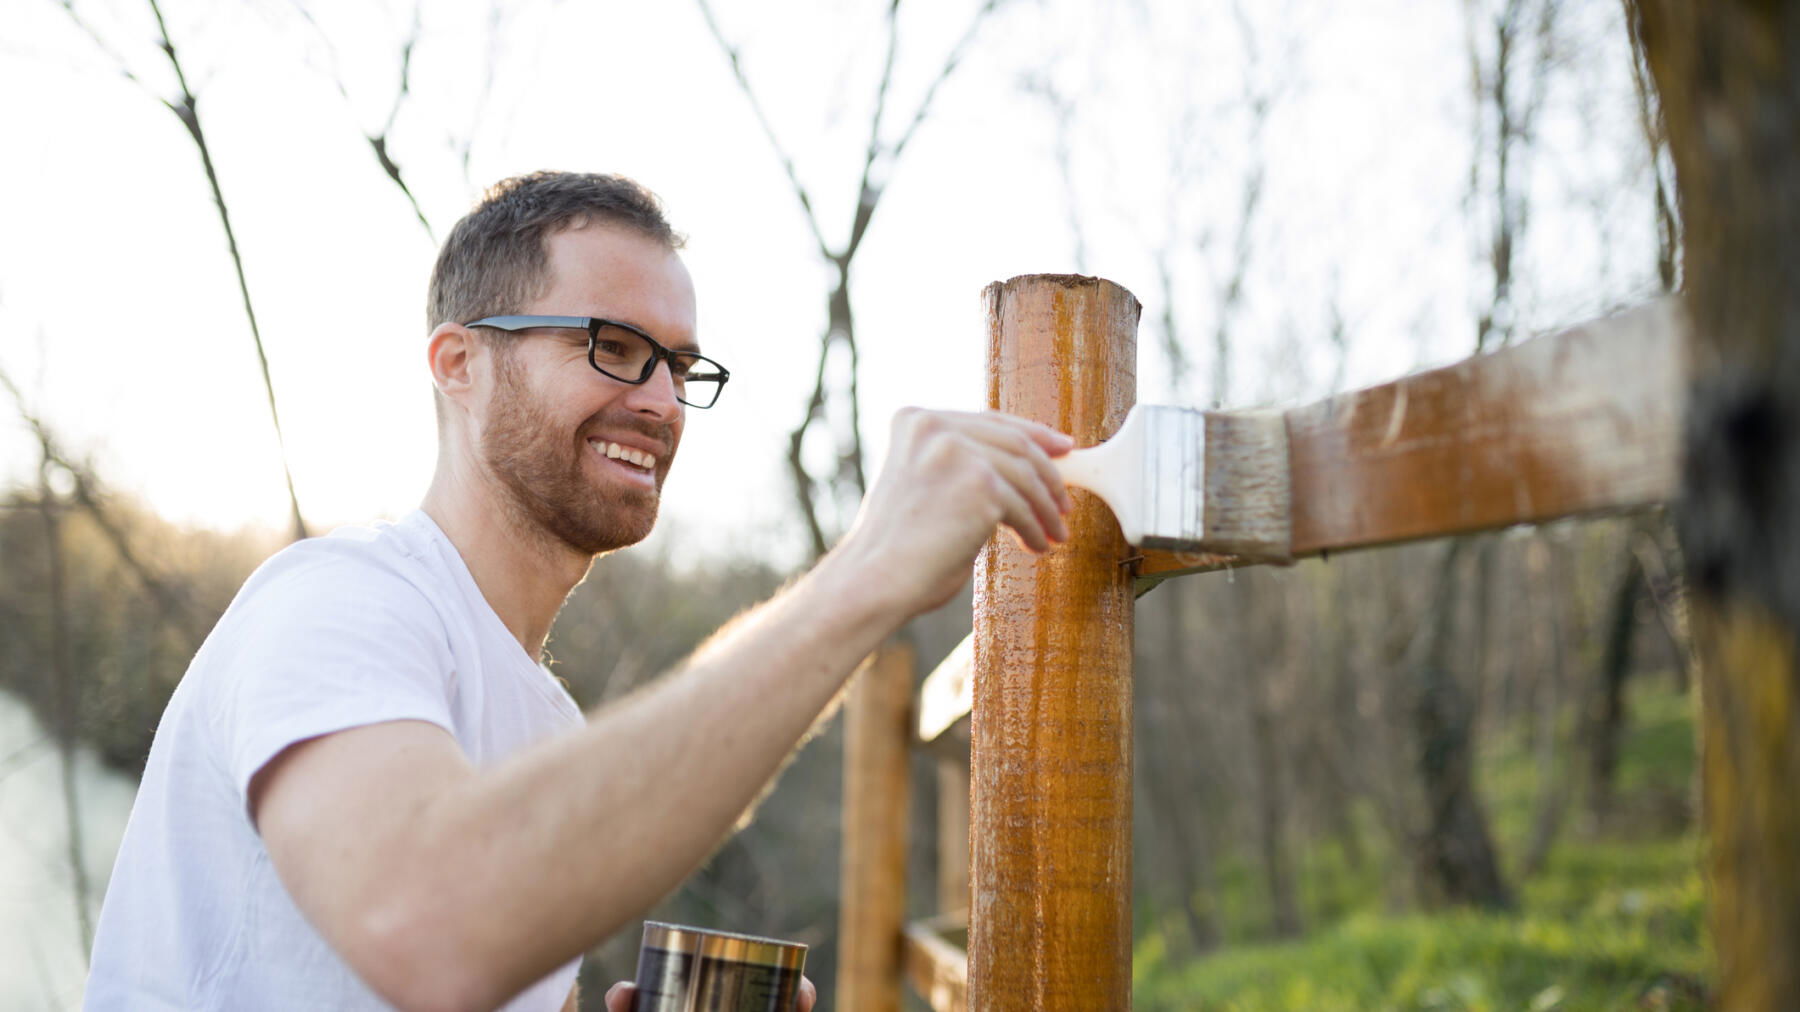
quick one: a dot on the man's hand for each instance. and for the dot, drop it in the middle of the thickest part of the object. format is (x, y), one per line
(618, 997)
(949, 479)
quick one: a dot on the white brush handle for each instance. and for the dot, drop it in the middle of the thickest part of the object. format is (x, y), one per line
(1086, 468)
(1110, 471)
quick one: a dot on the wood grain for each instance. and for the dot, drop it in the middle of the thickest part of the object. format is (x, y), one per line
(1050, 918)
(1603, 434)
(948, 692)
(953, 835)
(877, 743)
(936, 968)
(1581, 421)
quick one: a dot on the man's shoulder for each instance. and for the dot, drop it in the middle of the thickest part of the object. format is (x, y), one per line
(378, 567)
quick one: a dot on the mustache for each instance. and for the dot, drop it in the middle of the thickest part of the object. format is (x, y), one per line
(662, 433)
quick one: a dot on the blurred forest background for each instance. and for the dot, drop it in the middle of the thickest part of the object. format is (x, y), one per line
(1453, 775)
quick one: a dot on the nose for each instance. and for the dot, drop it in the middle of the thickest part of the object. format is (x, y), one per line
(656, 395)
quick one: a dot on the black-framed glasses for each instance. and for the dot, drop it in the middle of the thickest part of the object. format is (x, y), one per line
(629, 355)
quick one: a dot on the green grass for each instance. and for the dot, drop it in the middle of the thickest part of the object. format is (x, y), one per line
(1607, 924)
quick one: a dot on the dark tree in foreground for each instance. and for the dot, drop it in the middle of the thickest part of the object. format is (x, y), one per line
(1728, 75)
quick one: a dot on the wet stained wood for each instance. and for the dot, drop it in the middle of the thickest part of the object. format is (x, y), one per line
(953, 835)
(935, 967)
(1050, 915)
(878, 731)
(948, 692)
(1579, 421)
(1601, 433)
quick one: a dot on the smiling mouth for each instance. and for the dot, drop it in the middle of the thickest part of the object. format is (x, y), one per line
(625, 455)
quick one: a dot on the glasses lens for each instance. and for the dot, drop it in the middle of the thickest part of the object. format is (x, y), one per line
(698, 379)
(627, 355)
(620, 353)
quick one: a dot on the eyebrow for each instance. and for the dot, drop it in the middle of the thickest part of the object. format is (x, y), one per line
(692, 346)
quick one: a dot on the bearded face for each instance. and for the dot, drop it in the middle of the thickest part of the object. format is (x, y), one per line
(554, 478)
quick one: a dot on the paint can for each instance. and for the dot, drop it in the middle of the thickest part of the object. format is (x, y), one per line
(683, 969)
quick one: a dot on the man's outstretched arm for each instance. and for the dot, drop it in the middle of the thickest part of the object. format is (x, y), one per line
(447, 888)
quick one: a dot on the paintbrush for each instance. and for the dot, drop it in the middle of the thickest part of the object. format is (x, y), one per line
(1193, 481)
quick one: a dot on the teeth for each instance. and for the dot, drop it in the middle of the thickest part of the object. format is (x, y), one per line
(634, 457)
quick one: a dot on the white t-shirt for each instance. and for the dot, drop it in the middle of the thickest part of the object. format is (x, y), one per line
(370, 624)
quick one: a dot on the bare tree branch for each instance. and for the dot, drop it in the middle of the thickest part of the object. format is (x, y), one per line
(465, 147)
(787, 163)
(950, 64)
(378, 141)
(849, 476)
(1656, 138)
(803, 480)
(106, 48)
(185, 108)
(873, 151)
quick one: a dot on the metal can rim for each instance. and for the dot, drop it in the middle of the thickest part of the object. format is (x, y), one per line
(728, 945)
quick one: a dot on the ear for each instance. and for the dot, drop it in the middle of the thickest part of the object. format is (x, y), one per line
(449, 354)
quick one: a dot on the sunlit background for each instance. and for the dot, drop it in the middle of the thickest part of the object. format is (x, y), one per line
(1300, 193)
(1116, 140)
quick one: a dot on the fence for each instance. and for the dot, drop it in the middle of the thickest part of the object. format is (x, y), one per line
(1031, 716)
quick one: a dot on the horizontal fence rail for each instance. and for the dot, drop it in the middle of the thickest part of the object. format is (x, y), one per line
(1584, 420)
(1579, 421)
(936, 968)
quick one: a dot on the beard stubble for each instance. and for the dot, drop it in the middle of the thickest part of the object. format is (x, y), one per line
(544, 473)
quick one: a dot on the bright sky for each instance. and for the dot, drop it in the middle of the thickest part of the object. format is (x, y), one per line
(120, 316)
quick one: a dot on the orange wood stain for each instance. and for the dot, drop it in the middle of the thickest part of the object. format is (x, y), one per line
(1050, 924)
(1580, 421)
(877, 739)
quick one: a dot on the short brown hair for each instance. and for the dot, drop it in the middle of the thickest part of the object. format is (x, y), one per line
(494, 261)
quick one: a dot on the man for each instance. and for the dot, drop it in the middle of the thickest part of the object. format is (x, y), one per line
(367, 791)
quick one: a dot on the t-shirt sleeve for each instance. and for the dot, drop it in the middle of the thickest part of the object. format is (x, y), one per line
(324, 646)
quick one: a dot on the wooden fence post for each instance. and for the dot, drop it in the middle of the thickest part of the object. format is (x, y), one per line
(1050, 921)
(953, 836)
(878, 736)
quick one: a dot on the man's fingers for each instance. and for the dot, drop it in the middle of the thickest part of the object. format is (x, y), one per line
(809, 995)
(1002, 438)
(1017, 513)
(1050, 440)
(1030, 442)
(1024, 477)
(1024, 483)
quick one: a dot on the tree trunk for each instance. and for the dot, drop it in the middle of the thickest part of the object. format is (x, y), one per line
(66, 699)
(1163, 756)
(1271, 790)
(1456, 852)
(1606, 705)
(1553, 790)
(1728, 75)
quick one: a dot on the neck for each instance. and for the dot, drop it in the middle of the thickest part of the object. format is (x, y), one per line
(524, 574)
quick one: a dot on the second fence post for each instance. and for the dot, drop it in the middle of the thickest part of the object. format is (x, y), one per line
(1050, 917)
(878, 736)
